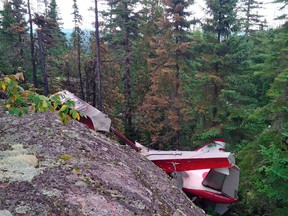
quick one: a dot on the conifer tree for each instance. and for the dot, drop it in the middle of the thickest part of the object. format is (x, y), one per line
(150, 13)
(284, 6)
(46, 6)
(12, 31)
(222, 23)
(166, 64)
(180, 26)
(52, 11)
(55, 43)
(19, 10)
(54, 29)
(32, 46)
(76, 35)
(266, 177)
(98, 65)
(220, 87)
(41, 23)
(52, 46)
(122, 25)
(223, 18)
(251, 18)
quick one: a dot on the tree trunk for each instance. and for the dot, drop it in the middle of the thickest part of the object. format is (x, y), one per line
(177, 89)
(32, 49)
(79, 63)
(98, 66)
(87, 69)
(127, 80)
(21, 51)
(216, 92)
(42, 61)
(248, 19)
(68, 68)
(215, 85)
(94, 94)
(177, 103)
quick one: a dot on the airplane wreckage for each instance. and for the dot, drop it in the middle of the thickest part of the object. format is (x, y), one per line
(208, 173)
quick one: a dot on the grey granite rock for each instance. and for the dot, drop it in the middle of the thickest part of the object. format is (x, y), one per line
(47, 168)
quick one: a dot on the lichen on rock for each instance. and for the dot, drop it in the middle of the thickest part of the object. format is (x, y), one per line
(17, 164)
(47, 168)
(5, 213)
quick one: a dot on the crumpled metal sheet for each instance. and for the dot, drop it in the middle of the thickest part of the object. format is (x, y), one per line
(101, 121)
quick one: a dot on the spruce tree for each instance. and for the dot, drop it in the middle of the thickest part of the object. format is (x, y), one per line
(41, 23)
(122, 29)
(54, 30)
(52, 47)
(223, 18)
(251, 18)
(32, 46)
(220, 86)
(263, 161)
(55, 43)
(97, 60)
(284, 6)
(180, 26)
(169, 54)
(76, 36)
(12, 32)
(223, 22)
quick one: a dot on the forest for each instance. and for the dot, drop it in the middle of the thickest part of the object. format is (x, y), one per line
(167, 80)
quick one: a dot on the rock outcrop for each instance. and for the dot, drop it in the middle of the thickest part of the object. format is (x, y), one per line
(47, 168)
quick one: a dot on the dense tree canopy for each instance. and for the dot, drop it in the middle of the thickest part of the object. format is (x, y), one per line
(168, 81)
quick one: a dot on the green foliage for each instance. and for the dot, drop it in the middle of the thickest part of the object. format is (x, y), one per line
(223, 19)
(12, 33)
(120, 37)
(275, 170)
(252, 20)
(263, 160)
(163, 81)
(19, 101)
(161, 108)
